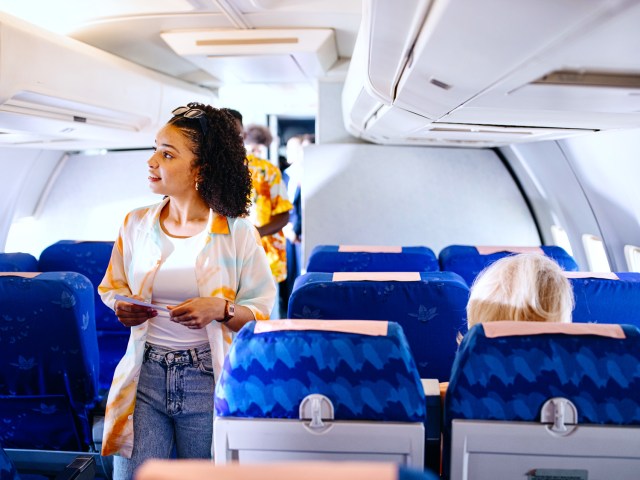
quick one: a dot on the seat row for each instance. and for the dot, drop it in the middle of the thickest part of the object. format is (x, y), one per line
(313, 389)
(364, 375)
(430, 306)
(524, 397)
(465, 260)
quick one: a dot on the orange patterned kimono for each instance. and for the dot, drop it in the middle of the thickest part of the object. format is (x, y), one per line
(269, 198)
(231, 265)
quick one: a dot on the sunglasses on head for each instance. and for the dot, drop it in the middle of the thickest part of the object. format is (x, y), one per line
(192, 113)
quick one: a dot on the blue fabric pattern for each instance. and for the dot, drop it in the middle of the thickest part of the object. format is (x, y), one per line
(267, 375)
(468, 263)
(431, 311)
(91, 260)
(510, 378)
(49, 365)
(7, 468)
(327, 258)
(18, 262)
(600, 300)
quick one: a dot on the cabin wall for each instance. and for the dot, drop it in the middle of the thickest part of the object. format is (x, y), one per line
(555, 194)
(329, 123)
(388, 195)
(25, 172)
(586, 184)
(87, 200)
(608, 167)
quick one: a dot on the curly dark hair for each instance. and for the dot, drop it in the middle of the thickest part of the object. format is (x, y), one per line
(224, 180)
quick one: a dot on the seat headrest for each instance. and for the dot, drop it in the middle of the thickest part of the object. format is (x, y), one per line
(510, 377)
(267, 374)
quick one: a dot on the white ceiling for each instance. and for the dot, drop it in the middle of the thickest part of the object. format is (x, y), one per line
(133, 29)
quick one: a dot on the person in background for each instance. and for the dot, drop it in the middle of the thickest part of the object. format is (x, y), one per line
(270, 205)
(201, 268)
(525, 287)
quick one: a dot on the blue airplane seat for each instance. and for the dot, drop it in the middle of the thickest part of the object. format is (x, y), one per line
(49, 363)
(506, 407)
(468, 261)
(91, 260)
(351, 258)
(18, 262)
(606, 297)
(430, 307)
(355, 381)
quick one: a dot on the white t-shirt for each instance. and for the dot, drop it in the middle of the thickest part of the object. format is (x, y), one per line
(175, 282)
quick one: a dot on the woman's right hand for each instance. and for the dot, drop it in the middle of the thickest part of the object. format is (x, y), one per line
(131, 315)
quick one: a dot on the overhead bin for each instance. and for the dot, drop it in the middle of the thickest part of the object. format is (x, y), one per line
(588, 79)
(490, 67)
(65, 94)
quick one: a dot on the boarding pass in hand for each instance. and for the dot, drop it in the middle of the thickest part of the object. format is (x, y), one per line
(140, 302)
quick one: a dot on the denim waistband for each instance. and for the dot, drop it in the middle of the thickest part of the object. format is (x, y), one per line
(168, 356)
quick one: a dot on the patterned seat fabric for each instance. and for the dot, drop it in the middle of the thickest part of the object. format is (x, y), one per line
(49, 361)
(91, 260)
(267, 375)
(431, 311)
(510, 378)
(601, 300)
(328, 258)
(18, 262)
(467, 262)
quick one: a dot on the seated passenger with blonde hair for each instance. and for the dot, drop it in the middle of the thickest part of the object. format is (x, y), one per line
(525, 287)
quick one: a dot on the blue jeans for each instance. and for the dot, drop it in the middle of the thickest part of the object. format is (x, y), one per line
(174, 407)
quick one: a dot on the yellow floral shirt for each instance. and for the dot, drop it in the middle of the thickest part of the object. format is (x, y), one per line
(269, 198)
(230, 265)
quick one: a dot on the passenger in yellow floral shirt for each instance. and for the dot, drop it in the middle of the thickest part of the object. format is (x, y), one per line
(270, 207)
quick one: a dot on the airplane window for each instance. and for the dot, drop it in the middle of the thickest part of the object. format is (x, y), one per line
(561, 239)
(596, 254)
(632, 255)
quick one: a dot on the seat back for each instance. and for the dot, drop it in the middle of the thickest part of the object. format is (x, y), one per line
(356, 258)
(355, 381)
(504, 374)
(468, 261)
(49, 363)
(91, 260)
(606, 297)
(18, 262)
(429, 306)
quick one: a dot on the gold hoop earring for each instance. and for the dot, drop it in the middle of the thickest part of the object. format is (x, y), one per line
(197, 186)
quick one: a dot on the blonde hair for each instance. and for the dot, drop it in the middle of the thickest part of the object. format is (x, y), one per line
(525, 287)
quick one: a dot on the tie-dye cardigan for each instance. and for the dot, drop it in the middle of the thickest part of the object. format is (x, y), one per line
(231, 265)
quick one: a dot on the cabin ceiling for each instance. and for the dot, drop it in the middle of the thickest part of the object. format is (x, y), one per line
(434, 72)
(163, 35)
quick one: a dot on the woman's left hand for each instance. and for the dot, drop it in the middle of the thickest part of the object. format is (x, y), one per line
(198, 312)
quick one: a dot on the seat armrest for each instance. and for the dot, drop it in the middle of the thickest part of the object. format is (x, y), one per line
(83, 467)
(59, 465)
(433, 427)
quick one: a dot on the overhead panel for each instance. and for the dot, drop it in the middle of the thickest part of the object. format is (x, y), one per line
(389, 33)
(494, 72)
(80, 104)
(265, 55)
(589, 79)
(466, 46)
